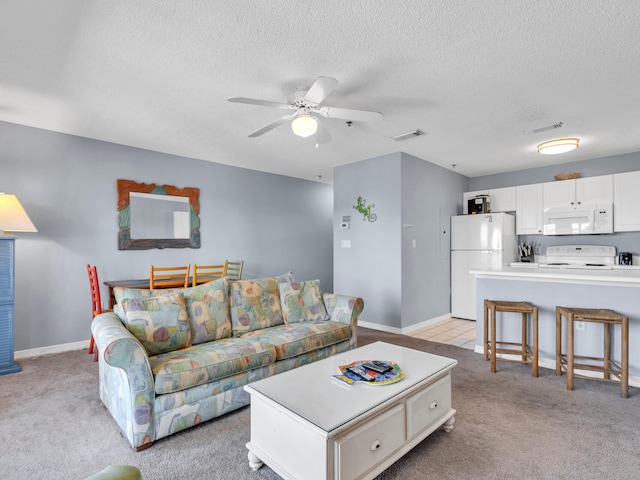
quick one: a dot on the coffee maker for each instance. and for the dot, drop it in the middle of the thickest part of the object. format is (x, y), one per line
(479, 204)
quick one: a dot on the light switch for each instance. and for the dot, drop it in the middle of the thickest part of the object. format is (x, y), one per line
(346, 243)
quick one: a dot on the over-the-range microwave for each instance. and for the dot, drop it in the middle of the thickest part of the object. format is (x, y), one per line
(578, 220)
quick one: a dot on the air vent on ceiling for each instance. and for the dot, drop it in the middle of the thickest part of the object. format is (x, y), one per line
(545, 128)
(405, 136)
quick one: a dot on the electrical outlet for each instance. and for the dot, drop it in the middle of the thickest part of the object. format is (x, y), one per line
(580, 325)
(346, 243)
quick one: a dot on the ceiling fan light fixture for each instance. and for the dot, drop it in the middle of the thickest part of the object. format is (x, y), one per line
(304, 125)
(559, 145)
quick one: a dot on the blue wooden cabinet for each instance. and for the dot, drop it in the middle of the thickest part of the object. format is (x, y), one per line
(7, 287)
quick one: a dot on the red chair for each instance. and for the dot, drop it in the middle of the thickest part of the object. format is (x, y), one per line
(96, 305)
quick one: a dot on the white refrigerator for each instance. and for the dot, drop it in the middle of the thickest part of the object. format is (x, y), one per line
(478, 242)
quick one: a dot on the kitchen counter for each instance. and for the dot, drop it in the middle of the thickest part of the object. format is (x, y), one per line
(547, 288)
(620, 276)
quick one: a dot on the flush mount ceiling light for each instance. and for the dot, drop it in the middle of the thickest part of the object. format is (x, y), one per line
(304, 125)
(559, 145)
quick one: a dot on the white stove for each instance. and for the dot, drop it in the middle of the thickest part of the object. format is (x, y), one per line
(583, 257)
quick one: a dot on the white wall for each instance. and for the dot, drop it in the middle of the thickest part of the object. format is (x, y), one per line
(67, 185)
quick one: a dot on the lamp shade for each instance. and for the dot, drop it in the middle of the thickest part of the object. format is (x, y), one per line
(304, 125)
(559, 145)
(13, 218)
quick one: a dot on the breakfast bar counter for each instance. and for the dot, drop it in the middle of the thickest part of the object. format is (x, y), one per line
(619, 275)
(616, 289)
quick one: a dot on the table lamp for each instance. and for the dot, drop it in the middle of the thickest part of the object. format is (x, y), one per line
(13, 218)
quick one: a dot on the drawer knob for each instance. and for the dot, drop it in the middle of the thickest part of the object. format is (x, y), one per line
(375, 445)
(433, 406)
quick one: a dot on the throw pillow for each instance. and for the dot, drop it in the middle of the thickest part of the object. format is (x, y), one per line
(159, 322)
(208, 311)
(302, 301)
(121, 293)
(254, 305)
(285, 277)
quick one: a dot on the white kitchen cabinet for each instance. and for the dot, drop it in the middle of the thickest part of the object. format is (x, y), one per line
(569, 193)
(529, 201)
(626, 214)
(502, 199)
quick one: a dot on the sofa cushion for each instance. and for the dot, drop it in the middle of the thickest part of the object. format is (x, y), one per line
(254, 305)
(206, 362)
(298, 338)
(302, 301)
(208, 311)
(159, 322)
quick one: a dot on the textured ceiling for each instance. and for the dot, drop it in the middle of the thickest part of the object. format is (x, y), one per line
(473, 75)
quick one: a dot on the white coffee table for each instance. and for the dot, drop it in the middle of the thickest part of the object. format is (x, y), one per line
(307, 425)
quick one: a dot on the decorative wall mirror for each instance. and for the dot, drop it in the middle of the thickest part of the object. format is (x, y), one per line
(157, 216)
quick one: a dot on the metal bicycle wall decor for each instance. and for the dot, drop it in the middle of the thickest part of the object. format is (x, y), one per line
(365, 210)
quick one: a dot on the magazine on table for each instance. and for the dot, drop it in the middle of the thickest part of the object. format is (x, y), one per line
(371, 372)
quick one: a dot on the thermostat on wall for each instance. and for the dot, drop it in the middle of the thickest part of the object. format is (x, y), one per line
(345, 225)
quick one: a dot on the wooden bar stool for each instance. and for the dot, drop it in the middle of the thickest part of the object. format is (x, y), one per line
(491, 349)
(567, 361)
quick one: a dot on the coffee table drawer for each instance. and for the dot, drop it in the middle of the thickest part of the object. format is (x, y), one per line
(428, 405)
(363, 448)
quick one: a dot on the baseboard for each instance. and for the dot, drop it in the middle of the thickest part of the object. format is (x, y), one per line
(405, 330)
(551, 365)
(65, 347)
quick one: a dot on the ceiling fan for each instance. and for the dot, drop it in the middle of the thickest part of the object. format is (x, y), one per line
(307, 107)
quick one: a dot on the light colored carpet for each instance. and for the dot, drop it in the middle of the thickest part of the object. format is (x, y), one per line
(509, 425)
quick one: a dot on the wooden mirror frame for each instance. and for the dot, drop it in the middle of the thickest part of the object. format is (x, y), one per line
(125, 242)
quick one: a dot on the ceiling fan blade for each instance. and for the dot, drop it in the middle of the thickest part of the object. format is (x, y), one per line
(271, 126)
(255, 101)
(320, 90)
(348, 114)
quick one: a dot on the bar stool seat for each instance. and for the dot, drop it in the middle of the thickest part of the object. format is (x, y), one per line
(567, 361)
(529, 355)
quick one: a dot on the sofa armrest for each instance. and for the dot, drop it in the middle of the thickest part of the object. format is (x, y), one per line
(342, 308)
(126, 380)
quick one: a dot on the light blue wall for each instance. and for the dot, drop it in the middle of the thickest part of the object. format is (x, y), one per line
(624, 242)
(546, 296)
(401, 285)
(67, 185)
(371, 268)
(430, 196)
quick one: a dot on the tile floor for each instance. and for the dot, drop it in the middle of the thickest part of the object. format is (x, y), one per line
(454, 331)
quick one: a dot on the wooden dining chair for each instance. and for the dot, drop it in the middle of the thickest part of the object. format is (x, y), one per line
(206, 273)
(96, 305)
(169, 277)
(233, 270)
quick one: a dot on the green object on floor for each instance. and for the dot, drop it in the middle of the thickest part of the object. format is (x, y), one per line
(117, 472)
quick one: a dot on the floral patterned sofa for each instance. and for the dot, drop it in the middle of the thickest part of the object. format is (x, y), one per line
(171, 359)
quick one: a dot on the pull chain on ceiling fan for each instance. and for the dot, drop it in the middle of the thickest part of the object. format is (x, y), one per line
(308, 109)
